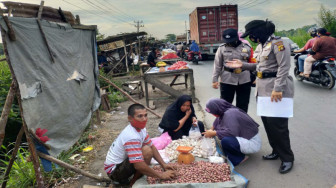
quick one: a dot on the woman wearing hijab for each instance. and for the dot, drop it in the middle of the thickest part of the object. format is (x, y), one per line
(237, 131)
(179, 118)
(273, 65)
(152, 57)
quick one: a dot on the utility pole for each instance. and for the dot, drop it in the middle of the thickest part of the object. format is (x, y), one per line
(138, 24)
(185, 23)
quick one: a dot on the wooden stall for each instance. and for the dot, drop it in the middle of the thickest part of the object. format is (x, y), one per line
(152, 75)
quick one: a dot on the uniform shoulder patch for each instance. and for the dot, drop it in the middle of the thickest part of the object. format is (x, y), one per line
(280, 45)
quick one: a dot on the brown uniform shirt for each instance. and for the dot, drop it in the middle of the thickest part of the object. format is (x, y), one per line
(225, 53)
(273, 56)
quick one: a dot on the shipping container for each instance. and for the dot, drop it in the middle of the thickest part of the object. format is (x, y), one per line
(208, 23)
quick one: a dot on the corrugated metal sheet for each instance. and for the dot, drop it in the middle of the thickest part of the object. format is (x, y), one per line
(208, 23)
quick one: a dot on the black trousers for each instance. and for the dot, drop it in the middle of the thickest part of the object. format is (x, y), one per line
(242, 91)
(278, 137)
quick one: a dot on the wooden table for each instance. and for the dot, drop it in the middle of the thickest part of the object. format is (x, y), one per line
(152, 75)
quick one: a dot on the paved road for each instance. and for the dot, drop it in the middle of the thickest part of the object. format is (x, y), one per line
(312, 132)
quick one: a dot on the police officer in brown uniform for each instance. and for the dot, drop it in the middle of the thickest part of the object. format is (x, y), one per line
(232, 80)
(273, 80)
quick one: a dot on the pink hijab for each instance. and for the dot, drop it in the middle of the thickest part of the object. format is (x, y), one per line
(242, 39)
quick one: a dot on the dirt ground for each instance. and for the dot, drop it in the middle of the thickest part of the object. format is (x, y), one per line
(112, 124)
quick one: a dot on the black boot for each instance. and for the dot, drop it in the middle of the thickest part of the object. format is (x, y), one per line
(272, 156)
(285, 167)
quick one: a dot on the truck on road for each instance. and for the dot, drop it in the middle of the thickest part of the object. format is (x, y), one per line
(207, 25)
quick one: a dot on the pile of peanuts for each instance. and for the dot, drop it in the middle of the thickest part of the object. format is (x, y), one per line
(196, 172)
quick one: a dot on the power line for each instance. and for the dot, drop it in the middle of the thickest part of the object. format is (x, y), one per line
(132, 18)
(90, 12)
(88, 2)
(81, 8)
(244, 8)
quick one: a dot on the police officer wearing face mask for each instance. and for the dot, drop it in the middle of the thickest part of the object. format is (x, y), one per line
(232, 80)
(273, 80)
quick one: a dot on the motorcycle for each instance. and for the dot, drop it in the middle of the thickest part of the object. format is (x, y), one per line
(323, 72)
(194, 57)
(185, 54)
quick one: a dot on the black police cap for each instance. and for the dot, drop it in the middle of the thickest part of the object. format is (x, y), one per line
(230, 35)
(251, 25)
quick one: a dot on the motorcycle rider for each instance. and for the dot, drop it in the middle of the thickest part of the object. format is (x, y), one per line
(308, 45)
(232, 80)
(325, 46)
(194, 47)
(194, 50)
(179, 49)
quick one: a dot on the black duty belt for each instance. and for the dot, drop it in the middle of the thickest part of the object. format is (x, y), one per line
(236, 71)
(262, 75)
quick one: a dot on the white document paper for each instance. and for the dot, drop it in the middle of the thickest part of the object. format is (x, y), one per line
(283, 108)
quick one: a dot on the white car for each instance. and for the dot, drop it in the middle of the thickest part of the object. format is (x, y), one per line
(293, 45)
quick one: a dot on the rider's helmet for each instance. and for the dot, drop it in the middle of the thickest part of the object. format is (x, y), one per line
(313, 32)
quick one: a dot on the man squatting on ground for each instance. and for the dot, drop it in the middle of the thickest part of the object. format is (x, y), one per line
(131, 153)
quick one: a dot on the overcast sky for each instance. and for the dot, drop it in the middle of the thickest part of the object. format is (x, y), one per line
(161, 17)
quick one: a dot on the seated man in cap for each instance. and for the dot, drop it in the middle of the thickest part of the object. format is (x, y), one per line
(232, 81)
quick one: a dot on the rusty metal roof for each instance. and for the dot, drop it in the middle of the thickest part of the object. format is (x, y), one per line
(27, 10)
(123, 36)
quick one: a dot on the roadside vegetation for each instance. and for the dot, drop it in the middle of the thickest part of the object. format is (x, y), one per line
(22, 173)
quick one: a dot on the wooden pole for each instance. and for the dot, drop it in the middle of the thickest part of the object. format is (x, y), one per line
(127, 95)
(31, 145)
(6, 110)
(98, 117)
(126, 60)
(11, 161)
(70, 167)
(42, 32)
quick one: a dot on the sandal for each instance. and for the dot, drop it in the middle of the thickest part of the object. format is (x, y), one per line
(301, 74)
(306, 75)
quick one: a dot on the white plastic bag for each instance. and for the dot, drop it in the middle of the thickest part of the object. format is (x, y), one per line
(195, 133)
(208, 150)
(216, 159)
(163, 156)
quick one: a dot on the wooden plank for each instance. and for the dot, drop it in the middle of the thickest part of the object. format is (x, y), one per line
(6, 110)
(11, 161)
(73, 168)
(146, 93)
(98, 117)
(31, 10)
(127, 95)
(192, 86)
(39, 14)
(126, 55)
(111, 71)
(51, 55)
(85, 27)
(162, 86)
(31, 146)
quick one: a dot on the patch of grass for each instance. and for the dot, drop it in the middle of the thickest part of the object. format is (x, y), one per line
(115, 98)
(22, 174)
